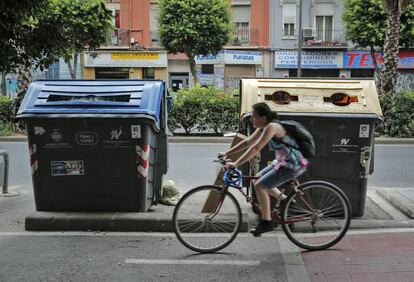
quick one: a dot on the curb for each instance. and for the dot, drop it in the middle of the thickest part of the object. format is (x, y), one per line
(150, 222)
(223, 140)
(105, 221)
(398, 201)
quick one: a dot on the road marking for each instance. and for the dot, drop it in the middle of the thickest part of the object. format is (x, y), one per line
(193, 262)
(390, 145)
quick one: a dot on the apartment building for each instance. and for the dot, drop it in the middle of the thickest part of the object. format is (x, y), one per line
(325, 50)
(129, 53)
(246, 55)
(264, 44)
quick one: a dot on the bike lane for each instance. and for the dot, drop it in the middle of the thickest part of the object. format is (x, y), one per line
(374, 256)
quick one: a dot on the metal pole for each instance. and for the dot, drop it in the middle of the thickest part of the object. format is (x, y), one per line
(300, 41)
(5, 191)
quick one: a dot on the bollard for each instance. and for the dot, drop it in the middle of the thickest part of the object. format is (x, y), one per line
(5, 191)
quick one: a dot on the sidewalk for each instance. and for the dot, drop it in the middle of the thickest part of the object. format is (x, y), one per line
(364, 257)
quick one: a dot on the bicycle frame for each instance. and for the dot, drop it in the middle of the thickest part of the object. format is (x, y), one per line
(274, 213)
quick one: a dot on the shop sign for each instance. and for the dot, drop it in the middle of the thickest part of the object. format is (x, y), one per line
(310, 59)
(126, 59)
(232, 57)
(363, 60)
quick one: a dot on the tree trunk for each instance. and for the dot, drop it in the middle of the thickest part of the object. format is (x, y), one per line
(24, 78)
(390, 56)
(3, 84)
(193, 69)
(73, 70)
(377, 70)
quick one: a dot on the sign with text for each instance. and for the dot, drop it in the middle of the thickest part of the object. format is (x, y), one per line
(126, 59)
(310, 59)
(363, 60)
(232, 57)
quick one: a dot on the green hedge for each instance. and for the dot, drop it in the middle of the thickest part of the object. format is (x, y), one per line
(6, 115)
(398, 114)
(205, 109)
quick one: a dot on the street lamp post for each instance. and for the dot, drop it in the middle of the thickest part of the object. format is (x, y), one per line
(300, 41)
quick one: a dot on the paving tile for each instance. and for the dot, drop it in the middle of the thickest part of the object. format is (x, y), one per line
(360, 277)
(403, 266)
(317, 278)
(405, 276)
(337, 278)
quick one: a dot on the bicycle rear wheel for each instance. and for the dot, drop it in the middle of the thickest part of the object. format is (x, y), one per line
(318, 216)
(207, 219)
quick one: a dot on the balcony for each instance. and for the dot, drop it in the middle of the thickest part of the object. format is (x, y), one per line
(324, 38)
(244, 37)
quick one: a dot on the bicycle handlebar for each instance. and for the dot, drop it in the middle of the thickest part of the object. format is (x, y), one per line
(231, 176)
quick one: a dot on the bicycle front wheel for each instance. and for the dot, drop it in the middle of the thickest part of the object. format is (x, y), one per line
(317, 217)
(207, 219)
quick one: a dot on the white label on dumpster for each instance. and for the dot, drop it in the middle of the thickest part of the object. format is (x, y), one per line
(66, 168)
(364, 131)
(310, 99)
(136, 131)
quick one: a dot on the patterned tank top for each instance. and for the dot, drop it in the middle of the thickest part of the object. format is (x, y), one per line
(286, 155)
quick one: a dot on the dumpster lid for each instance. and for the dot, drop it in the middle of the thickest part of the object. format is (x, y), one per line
(338, 96)
(95, 98)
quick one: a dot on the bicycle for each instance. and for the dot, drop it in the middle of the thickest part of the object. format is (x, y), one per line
(311, 207)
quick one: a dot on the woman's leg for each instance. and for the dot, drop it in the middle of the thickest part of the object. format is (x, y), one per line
(276, 193)
(264, 200)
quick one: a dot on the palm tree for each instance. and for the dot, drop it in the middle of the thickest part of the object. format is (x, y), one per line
(394, 9)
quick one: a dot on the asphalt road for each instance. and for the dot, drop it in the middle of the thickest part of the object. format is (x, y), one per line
(136, 257)
(192, 164)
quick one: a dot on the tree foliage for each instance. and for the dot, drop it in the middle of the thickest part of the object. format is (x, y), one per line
(39, 32)
(194, 27)
(366, 23)
(11, 29)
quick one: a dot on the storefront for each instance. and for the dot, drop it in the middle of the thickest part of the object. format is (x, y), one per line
(360, 64)
(124, 65)
(225, 69)
(314, 63)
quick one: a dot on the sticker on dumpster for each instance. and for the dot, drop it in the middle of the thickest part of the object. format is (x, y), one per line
(136, 131)
(56, 135)
(364, 131)
(39, 130)
(344, 145)
(66, 168)
(310, 99)
(86, 138)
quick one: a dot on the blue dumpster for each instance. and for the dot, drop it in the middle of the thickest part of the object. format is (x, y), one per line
(96, 145)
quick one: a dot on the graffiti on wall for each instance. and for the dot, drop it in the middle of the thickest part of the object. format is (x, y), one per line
(405, 81)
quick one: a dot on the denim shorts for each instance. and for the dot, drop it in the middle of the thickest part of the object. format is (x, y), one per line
(270, 177)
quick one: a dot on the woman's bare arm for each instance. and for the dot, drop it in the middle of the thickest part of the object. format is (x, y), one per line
(245, 143)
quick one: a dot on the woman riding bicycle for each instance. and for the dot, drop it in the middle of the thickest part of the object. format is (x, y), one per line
(288, 163)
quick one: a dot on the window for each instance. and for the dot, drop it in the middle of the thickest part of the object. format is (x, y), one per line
(324, 28)
(148, 73)
(289, 20)
(241, 33)
(207, 69)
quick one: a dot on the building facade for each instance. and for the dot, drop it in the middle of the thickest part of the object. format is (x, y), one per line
(325, 50)
(130, 52)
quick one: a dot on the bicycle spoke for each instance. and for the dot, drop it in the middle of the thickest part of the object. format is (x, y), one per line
(225, 220)
(323, 228)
